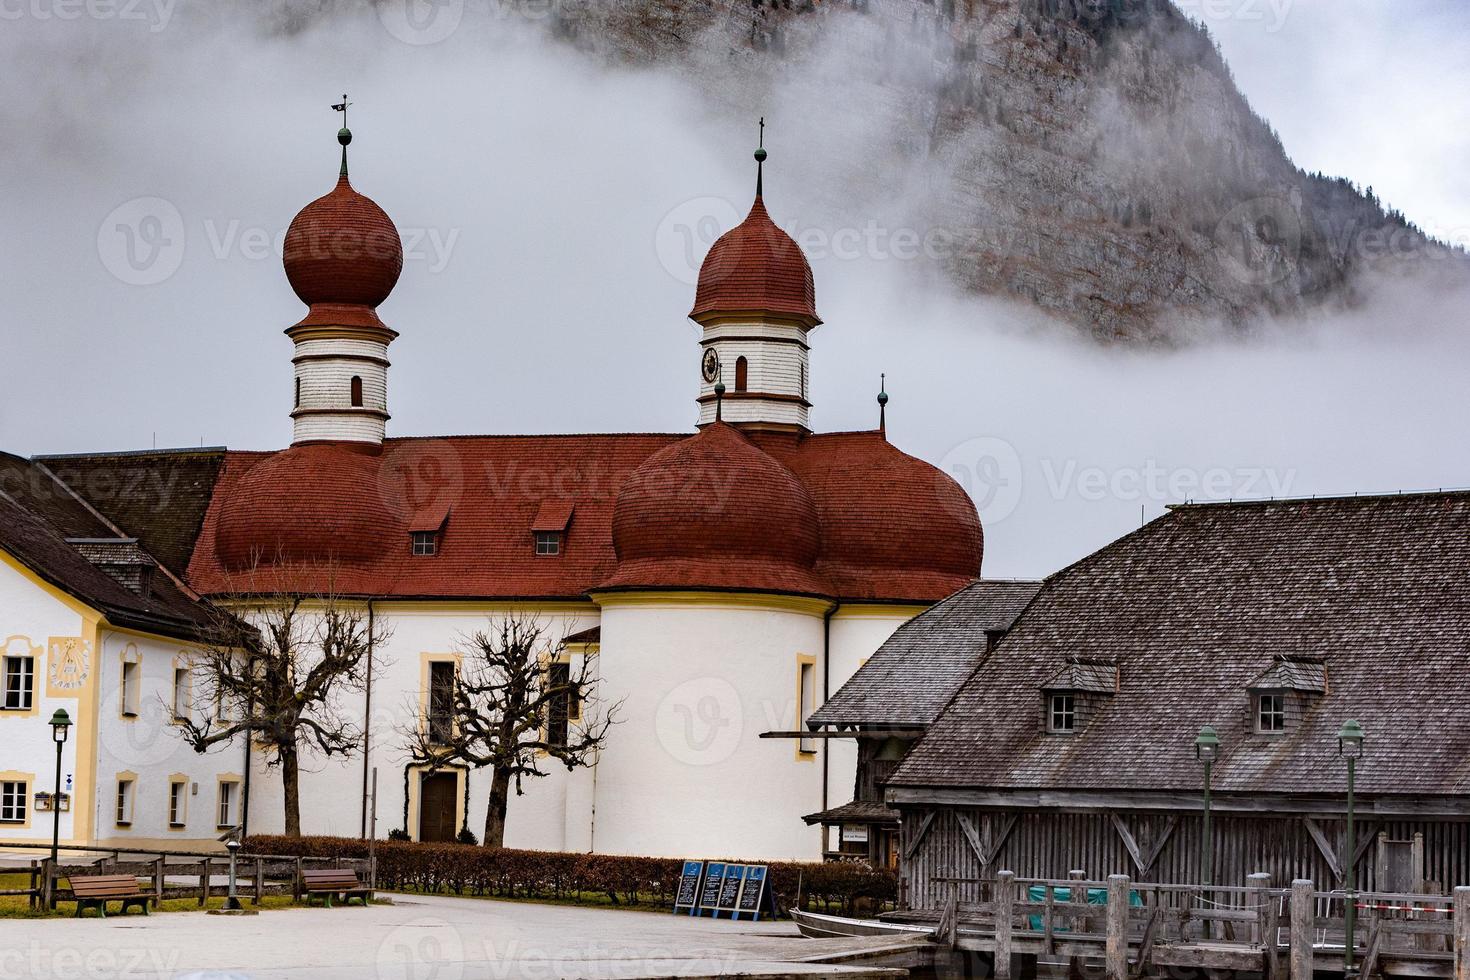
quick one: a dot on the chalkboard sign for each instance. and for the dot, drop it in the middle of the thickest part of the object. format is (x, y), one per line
(753, 896)
(709, 895)
(688, 894)
(730, 890)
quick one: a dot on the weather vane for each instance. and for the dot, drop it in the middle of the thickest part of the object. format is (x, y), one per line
(344, 135)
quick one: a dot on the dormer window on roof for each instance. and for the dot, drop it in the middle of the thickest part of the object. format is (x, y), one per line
(1284, 692)
(550, 526)
(1075, 692)
(425, 530)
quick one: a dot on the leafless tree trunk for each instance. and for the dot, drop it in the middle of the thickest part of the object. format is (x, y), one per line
(517, 698)
(273, 669)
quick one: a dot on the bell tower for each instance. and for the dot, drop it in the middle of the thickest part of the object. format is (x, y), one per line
(343, 257)
(756, 304)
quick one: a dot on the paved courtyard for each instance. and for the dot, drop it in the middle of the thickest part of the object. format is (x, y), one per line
(420, 937)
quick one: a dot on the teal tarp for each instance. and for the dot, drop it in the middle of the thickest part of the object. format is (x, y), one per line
(1095, 896)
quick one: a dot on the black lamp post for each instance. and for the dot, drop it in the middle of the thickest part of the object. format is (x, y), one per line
(1350, 747)
(1207, 750)
(60, 723)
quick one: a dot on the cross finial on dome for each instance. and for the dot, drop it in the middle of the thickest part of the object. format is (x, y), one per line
(883, 403)
(760, 159)
(344, 135)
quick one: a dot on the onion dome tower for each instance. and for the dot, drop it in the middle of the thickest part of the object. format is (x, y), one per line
(756, 303)
(342, 257)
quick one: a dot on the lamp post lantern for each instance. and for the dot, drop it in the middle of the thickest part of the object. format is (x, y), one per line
(1207, 750)
(1350, 747)
(60, 723)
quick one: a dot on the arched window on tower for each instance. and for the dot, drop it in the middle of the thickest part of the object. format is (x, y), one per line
(742, 369)
(356, 392)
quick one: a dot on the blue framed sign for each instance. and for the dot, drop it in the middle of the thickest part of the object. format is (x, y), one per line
(686, 899)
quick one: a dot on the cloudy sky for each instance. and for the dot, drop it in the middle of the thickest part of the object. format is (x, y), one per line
(154, 154)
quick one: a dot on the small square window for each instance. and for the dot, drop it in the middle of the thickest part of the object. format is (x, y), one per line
(425, 543)
(548, 543)
(1061, 714)
(1270, 713)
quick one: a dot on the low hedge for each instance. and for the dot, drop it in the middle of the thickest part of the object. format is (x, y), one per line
(460, 869)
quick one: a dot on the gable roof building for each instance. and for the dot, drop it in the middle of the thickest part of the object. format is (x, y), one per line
(1272, 622)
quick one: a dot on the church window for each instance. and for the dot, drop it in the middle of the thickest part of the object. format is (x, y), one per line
(559, 709)
(548, 543)
(742, 370)
(20, 680)
(356, 392)
(425, 543)
(441, 701)
(806, 693)
(298, 392)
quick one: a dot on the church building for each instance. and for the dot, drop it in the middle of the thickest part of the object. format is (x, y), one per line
(726, 579)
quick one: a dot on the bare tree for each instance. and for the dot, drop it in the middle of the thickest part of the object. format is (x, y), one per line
(515, 700)
(274, 671)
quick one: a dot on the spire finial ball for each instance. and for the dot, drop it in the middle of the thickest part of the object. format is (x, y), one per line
(344, 136)
(760, 155)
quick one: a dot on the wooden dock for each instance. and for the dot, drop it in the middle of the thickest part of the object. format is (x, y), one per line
(1135, 929)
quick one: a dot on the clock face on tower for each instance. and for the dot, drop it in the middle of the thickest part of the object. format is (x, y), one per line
(710, 364)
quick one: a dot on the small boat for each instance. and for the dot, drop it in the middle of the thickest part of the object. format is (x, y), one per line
(814, 925)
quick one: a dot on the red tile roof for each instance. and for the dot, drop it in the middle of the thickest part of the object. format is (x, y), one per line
(756, 267)
(843, 515)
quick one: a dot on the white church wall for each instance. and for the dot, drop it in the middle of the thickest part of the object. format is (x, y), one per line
(138, 742)
(332, 790)
(686, 772)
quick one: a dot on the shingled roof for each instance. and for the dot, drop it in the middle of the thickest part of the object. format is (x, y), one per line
(47, 528)
(1199, 605)
(911, 676)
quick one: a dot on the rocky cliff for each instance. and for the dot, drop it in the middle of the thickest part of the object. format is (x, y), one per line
(1091, 156)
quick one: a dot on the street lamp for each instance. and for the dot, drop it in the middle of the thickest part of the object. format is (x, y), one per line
(1350, 747)
(1207, 750)
(60, 723)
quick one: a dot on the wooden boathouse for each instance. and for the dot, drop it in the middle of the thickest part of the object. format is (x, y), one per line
(1070, 749)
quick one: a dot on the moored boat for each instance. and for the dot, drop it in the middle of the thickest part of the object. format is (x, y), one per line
(815, 925)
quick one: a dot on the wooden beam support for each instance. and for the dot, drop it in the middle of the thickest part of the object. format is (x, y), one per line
(1005, 897)
(1303, 919)
(923, 831)
(1116, 955)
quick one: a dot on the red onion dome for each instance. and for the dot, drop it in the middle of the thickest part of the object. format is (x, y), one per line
(316, 503)
(714, 511)
(343, 257)
(756, 267)
(892, 525)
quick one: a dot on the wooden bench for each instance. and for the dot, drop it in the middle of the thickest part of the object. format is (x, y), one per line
(97, 890)
(330, 883)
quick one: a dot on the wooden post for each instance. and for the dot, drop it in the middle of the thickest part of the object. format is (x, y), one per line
(35, 885)
(48, 884)
(158, 881)
(1004, 894)
(296, 882)
(203, 882)
(1116, 959)
(1303, 921)
(1077, 897)
(1462, 932)
(1256, 898)
(259, 881)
